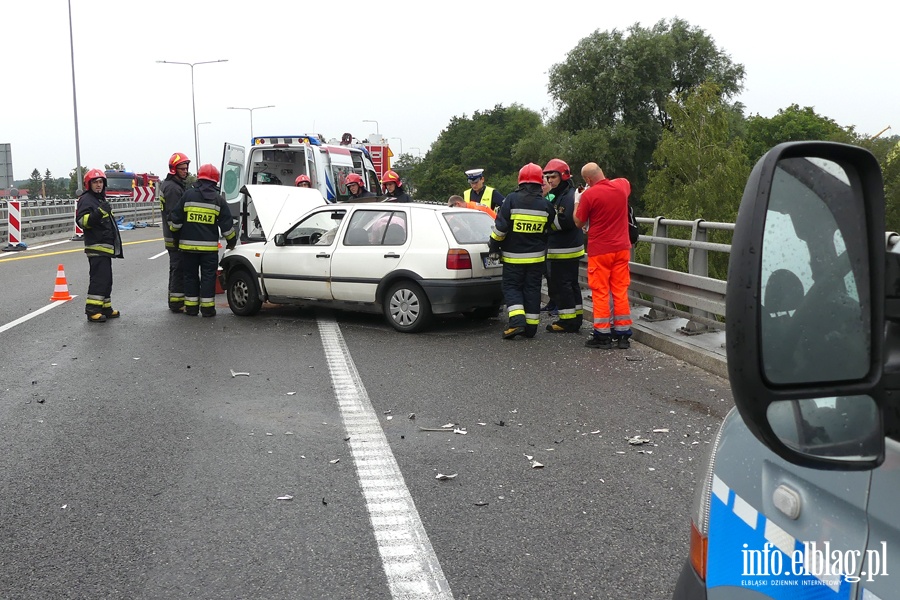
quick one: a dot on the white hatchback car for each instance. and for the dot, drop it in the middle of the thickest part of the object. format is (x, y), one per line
(408, 260)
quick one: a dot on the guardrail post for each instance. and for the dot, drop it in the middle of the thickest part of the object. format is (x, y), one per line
(659, 257)
(698, 264)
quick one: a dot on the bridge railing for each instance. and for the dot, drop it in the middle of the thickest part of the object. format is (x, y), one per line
(52, 218)
(668, 293)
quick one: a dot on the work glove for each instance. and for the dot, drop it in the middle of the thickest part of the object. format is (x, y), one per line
(494, 255)
(230, 244)
(105, 207)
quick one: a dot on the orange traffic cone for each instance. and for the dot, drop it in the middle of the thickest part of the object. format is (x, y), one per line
(61, 290)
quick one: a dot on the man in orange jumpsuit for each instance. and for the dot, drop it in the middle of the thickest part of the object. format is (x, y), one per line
(604, 208)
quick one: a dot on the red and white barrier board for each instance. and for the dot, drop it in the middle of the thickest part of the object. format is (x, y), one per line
(143, 194)
(15, 222)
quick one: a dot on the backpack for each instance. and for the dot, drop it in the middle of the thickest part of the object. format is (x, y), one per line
(633, 229)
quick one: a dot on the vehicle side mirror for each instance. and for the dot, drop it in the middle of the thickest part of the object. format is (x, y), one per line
(279, 239)
(805, 305)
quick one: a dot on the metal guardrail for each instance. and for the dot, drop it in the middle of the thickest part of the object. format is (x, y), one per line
(53, 218)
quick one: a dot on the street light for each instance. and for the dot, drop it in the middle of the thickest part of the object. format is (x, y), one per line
(193, 103)
(377, 131)
(78, 169)
(401, 144)
(419, 151)
(198, 136)
(251, 113)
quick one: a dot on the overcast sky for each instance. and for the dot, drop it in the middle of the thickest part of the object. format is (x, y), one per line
(327, 67)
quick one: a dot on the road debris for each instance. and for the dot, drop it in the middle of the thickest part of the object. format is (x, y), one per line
(661, 430)
(442, 477)
(335, 461)
(481, 503)
(536, 465)
(291, 393)
(236, 374)
(285, 497)
(638, 440)
(412, 416)
(443, 429)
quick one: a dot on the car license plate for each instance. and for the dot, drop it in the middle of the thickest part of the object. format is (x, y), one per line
(490, 263)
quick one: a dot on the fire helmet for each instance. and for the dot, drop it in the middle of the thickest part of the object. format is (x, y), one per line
(209, 173)
(301, 179)
(177, 159)
(354, 178)
(390, 177)
(531, 173)
(94, 174)
(558, 166)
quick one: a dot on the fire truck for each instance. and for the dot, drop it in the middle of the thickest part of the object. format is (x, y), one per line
(120, 185)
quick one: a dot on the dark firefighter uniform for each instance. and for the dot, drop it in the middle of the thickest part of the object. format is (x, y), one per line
(102, 243)
(170, 192)
(564, 251)
(520, 235)
(195, 223)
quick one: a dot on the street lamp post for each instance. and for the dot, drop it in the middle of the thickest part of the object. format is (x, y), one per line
(78, 168)
(377, 131)
(193, 103)
(418, 150)
(251, 113)
(401, 144)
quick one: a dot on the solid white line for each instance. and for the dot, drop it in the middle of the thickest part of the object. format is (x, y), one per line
(419, 573)
(27, 317)
(163, 253)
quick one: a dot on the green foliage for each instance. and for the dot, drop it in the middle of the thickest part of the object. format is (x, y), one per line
(486, 140)
(792, 124)
(617, 88)
(890, 166)
(114, 166)
(700, 169)
(34, 184)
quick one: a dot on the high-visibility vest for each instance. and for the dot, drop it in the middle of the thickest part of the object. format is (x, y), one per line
(485, 196)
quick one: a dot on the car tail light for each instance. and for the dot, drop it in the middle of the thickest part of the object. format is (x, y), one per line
(698, 551)
(457, 259)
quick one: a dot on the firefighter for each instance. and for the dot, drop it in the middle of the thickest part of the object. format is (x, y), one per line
(393, 187)
(564, 249)
(302, 181)
(478, 192)
(102, 243)
(519, 236)
(357, 187)
(195, 223)
(170, 192)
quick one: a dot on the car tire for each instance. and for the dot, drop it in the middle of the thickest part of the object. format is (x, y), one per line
(482, 313)
(406, 307)
(243, 296)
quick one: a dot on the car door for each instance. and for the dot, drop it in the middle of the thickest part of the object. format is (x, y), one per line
(301, 267)
(232, 171)
(372, 245)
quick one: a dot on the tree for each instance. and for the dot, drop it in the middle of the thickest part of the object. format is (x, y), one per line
(49, 185)
(614, 89)
(114, 166)
(34, 184)
(792, 124)
(486, 140)
(700, 168)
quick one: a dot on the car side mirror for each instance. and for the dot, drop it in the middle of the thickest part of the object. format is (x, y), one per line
(279, 239)
(805, 305)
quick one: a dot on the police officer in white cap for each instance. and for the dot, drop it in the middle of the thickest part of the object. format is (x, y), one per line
(480, 193)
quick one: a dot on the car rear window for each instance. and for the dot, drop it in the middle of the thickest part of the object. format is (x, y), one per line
(469, 226)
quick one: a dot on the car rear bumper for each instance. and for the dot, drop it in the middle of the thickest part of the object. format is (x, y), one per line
(689, 586)
(457, 295)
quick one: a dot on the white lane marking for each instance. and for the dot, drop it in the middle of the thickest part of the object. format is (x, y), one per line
(39, 311)
(409, 561)
(163, 253)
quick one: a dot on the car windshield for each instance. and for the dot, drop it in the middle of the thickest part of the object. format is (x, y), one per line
(469, 226)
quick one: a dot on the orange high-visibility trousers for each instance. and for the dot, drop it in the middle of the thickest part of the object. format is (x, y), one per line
(608, 273)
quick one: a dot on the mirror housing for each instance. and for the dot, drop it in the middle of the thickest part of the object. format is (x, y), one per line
(279, 239)
(828, 342)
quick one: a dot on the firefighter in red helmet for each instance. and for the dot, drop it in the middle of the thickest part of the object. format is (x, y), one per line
(195, 223)
(519, 236)
(302, 181)
(357, 187)
(102, 243)
(170, 192)
(564, 249)
(393, 187)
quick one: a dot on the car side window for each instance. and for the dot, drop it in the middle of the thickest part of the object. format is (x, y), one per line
(376, 228)
(318, 229)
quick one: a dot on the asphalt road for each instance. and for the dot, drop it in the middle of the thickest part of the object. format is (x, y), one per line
(134, 465)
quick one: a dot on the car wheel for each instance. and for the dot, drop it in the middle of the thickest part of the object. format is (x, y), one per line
(406, 307)
(243, 297)
(482, 313)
